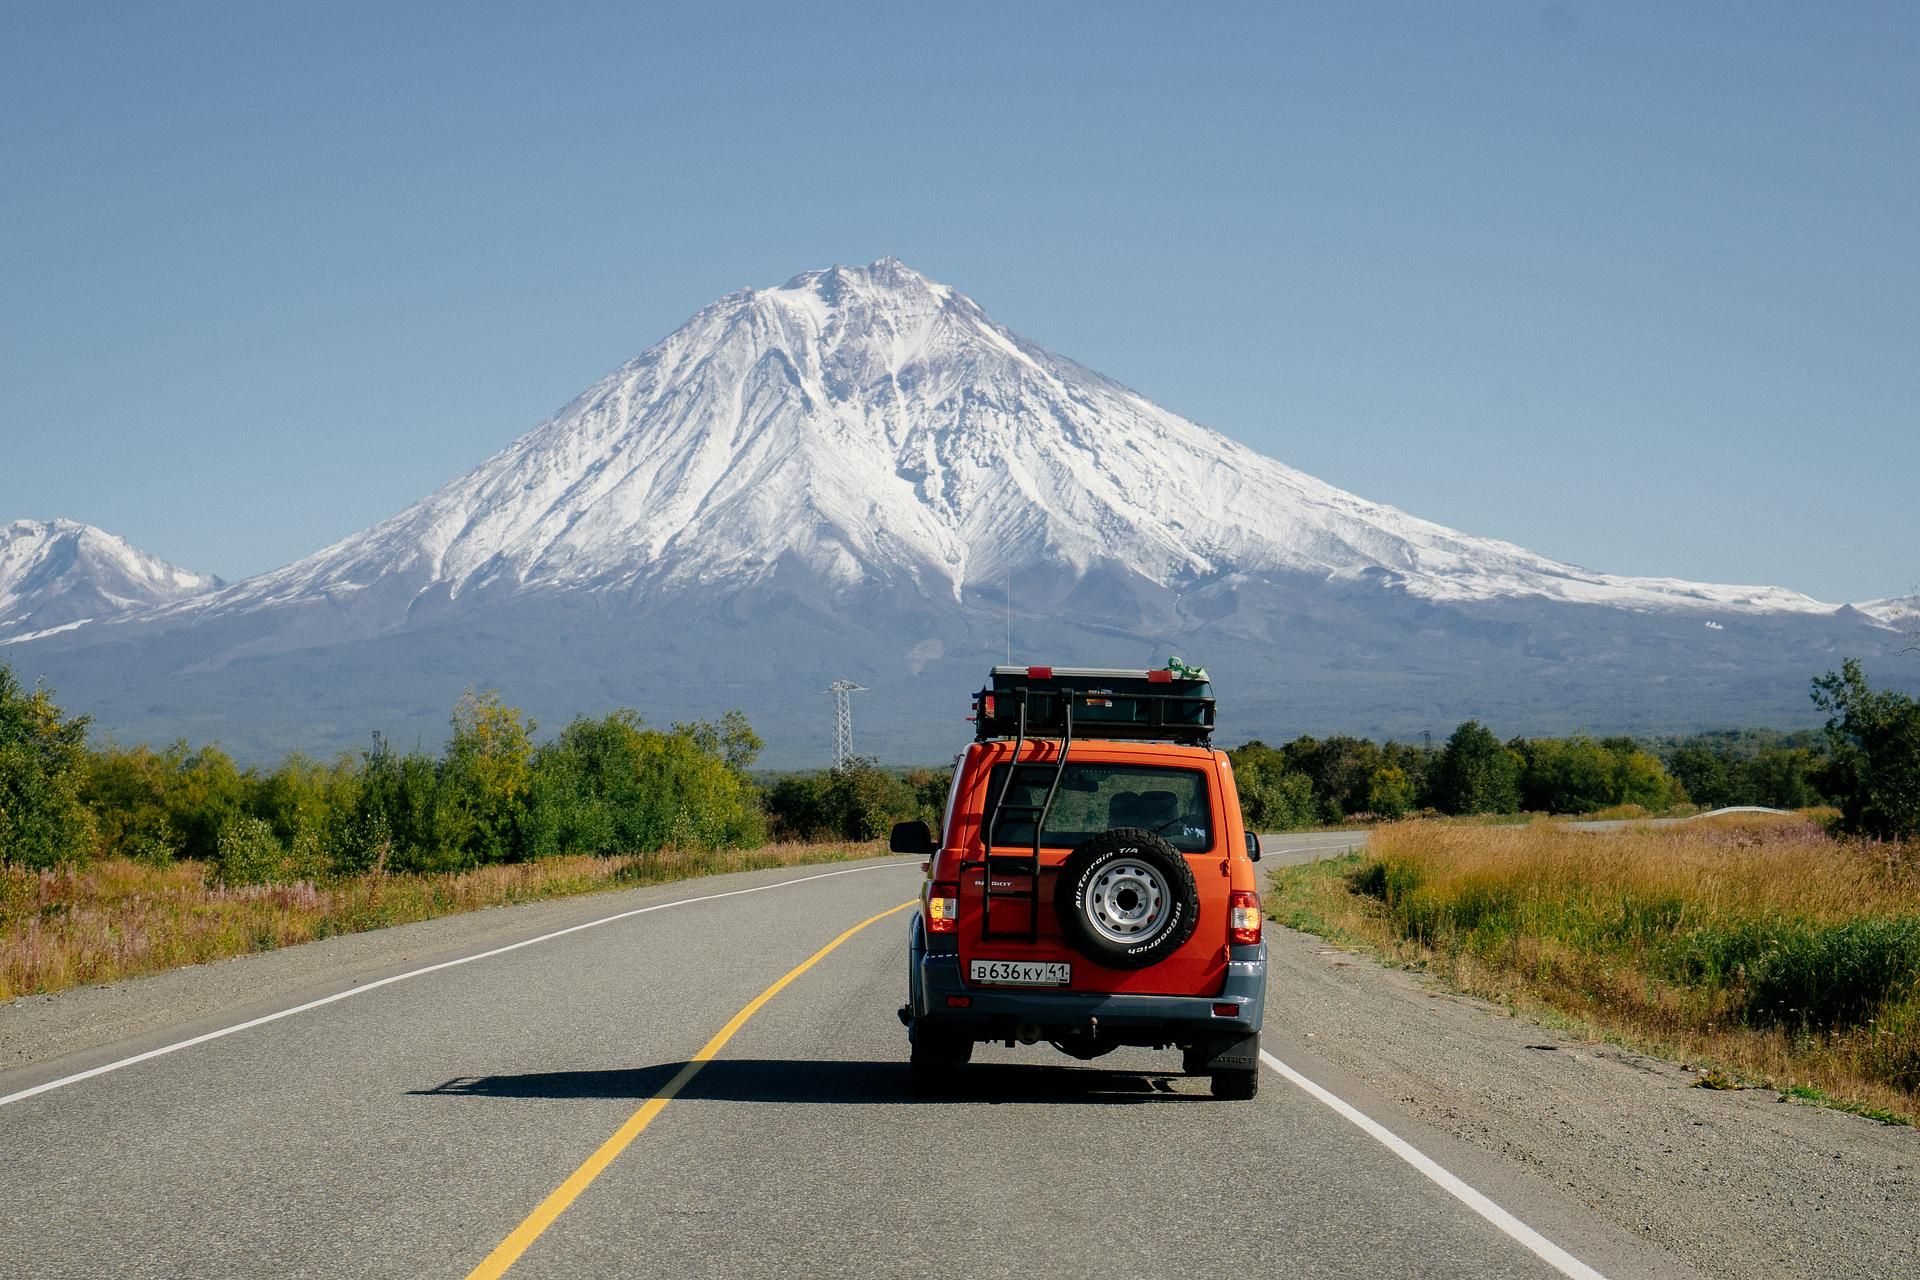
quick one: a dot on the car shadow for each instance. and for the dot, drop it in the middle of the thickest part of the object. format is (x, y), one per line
(809, 1081)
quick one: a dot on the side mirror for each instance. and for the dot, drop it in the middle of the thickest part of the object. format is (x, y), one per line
(1253, 846)
(910, 837)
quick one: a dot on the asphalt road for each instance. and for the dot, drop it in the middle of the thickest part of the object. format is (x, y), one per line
(1294, 847)
(411, 1128)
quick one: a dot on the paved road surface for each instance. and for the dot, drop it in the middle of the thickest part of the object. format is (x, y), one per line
(410, 1129)
(1291, 848)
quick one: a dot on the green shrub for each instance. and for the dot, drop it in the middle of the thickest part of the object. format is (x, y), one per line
(203, 788)
(1272, 796)
(43, 822)
(1875, 740)
(1895, 1052)
(1716, 956)
(1749, 766)
(611, 786)
(1833, 976)
(487, 771)
(247, 853)
(1389, 793)
(408, 799)
(1390, 881)
(126, 791)
(363, 842)
(1580, 775)
(1476, 774)
(1370, 878)
(1778, 777)
(859, 801)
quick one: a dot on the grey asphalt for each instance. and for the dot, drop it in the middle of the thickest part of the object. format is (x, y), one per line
(406, 1131)
(1290, 848)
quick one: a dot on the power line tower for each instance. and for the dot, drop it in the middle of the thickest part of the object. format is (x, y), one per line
(842, 691)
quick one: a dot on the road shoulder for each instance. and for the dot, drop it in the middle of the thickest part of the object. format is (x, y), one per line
(1730, 1183)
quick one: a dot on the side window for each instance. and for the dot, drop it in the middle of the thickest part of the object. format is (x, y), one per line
(953, 798)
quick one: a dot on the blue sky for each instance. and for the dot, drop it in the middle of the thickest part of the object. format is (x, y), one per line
(1631, 285)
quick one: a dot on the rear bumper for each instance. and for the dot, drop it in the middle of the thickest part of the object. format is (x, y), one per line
(994, 1013)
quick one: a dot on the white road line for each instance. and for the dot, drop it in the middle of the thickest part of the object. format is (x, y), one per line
(1541, 1247)
(178, 1045)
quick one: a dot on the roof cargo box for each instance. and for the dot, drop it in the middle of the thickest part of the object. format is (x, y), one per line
(1154, 706)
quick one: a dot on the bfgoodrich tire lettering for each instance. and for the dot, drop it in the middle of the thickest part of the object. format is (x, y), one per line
(1126, 899)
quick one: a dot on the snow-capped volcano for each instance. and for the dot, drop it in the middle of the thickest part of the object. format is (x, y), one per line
(870, 423)
(859, 473)
(55, 573)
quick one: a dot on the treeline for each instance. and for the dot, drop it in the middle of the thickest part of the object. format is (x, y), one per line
(614, 785)
(602, 786)
(1310, 781)
(610, 785)
(1321, 780)
(1866, 763)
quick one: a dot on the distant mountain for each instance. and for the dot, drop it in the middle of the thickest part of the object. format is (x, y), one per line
(844, 476)
(59, 573)
(870, 425)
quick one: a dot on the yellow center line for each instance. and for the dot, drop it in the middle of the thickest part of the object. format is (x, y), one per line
(509, 1250)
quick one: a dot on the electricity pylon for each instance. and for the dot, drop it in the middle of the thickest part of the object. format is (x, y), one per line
(842, 691)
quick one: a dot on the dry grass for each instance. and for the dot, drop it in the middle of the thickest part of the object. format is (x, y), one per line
(1752, 942)
(119, 919)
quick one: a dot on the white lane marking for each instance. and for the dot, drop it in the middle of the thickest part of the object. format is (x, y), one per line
(189, 1043)
(1541, 1247)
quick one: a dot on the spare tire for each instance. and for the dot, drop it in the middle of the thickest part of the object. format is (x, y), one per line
(1126, 899)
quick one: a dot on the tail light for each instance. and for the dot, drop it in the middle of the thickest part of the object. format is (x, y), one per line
(943, 909)
(1243, 917)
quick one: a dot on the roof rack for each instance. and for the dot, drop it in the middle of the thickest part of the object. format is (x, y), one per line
(1097, 702)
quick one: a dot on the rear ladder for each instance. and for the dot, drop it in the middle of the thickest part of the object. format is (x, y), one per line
(1029, 865)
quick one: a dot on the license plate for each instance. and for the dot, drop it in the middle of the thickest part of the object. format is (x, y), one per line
(1020, 973)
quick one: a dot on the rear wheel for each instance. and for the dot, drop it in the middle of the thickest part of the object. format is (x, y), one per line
(1236, 1086)
(935, 1056)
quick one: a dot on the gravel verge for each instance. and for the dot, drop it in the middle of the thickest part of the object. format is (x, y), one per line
(1731, 1183)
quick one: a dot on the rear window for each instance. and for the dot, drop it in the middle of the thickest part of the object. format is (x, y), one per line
(1099, 797)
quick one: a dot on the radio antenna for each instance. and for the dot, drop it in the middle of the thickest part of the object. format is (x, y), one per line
(1009, 617)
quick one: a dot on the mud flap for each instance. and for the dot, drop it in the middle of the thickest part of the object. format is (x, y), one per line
(1241, 1054)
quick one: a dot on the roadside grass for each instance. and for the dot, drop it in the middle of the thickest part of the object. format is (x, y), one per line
(119, 919)
(1754, 945)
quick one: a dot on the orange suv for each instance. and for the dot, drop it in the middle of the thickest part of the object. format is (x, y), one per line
(1093, 885)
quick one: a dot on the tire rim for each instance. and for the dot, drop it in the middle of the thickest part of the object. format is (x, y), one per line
(1127, 903)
